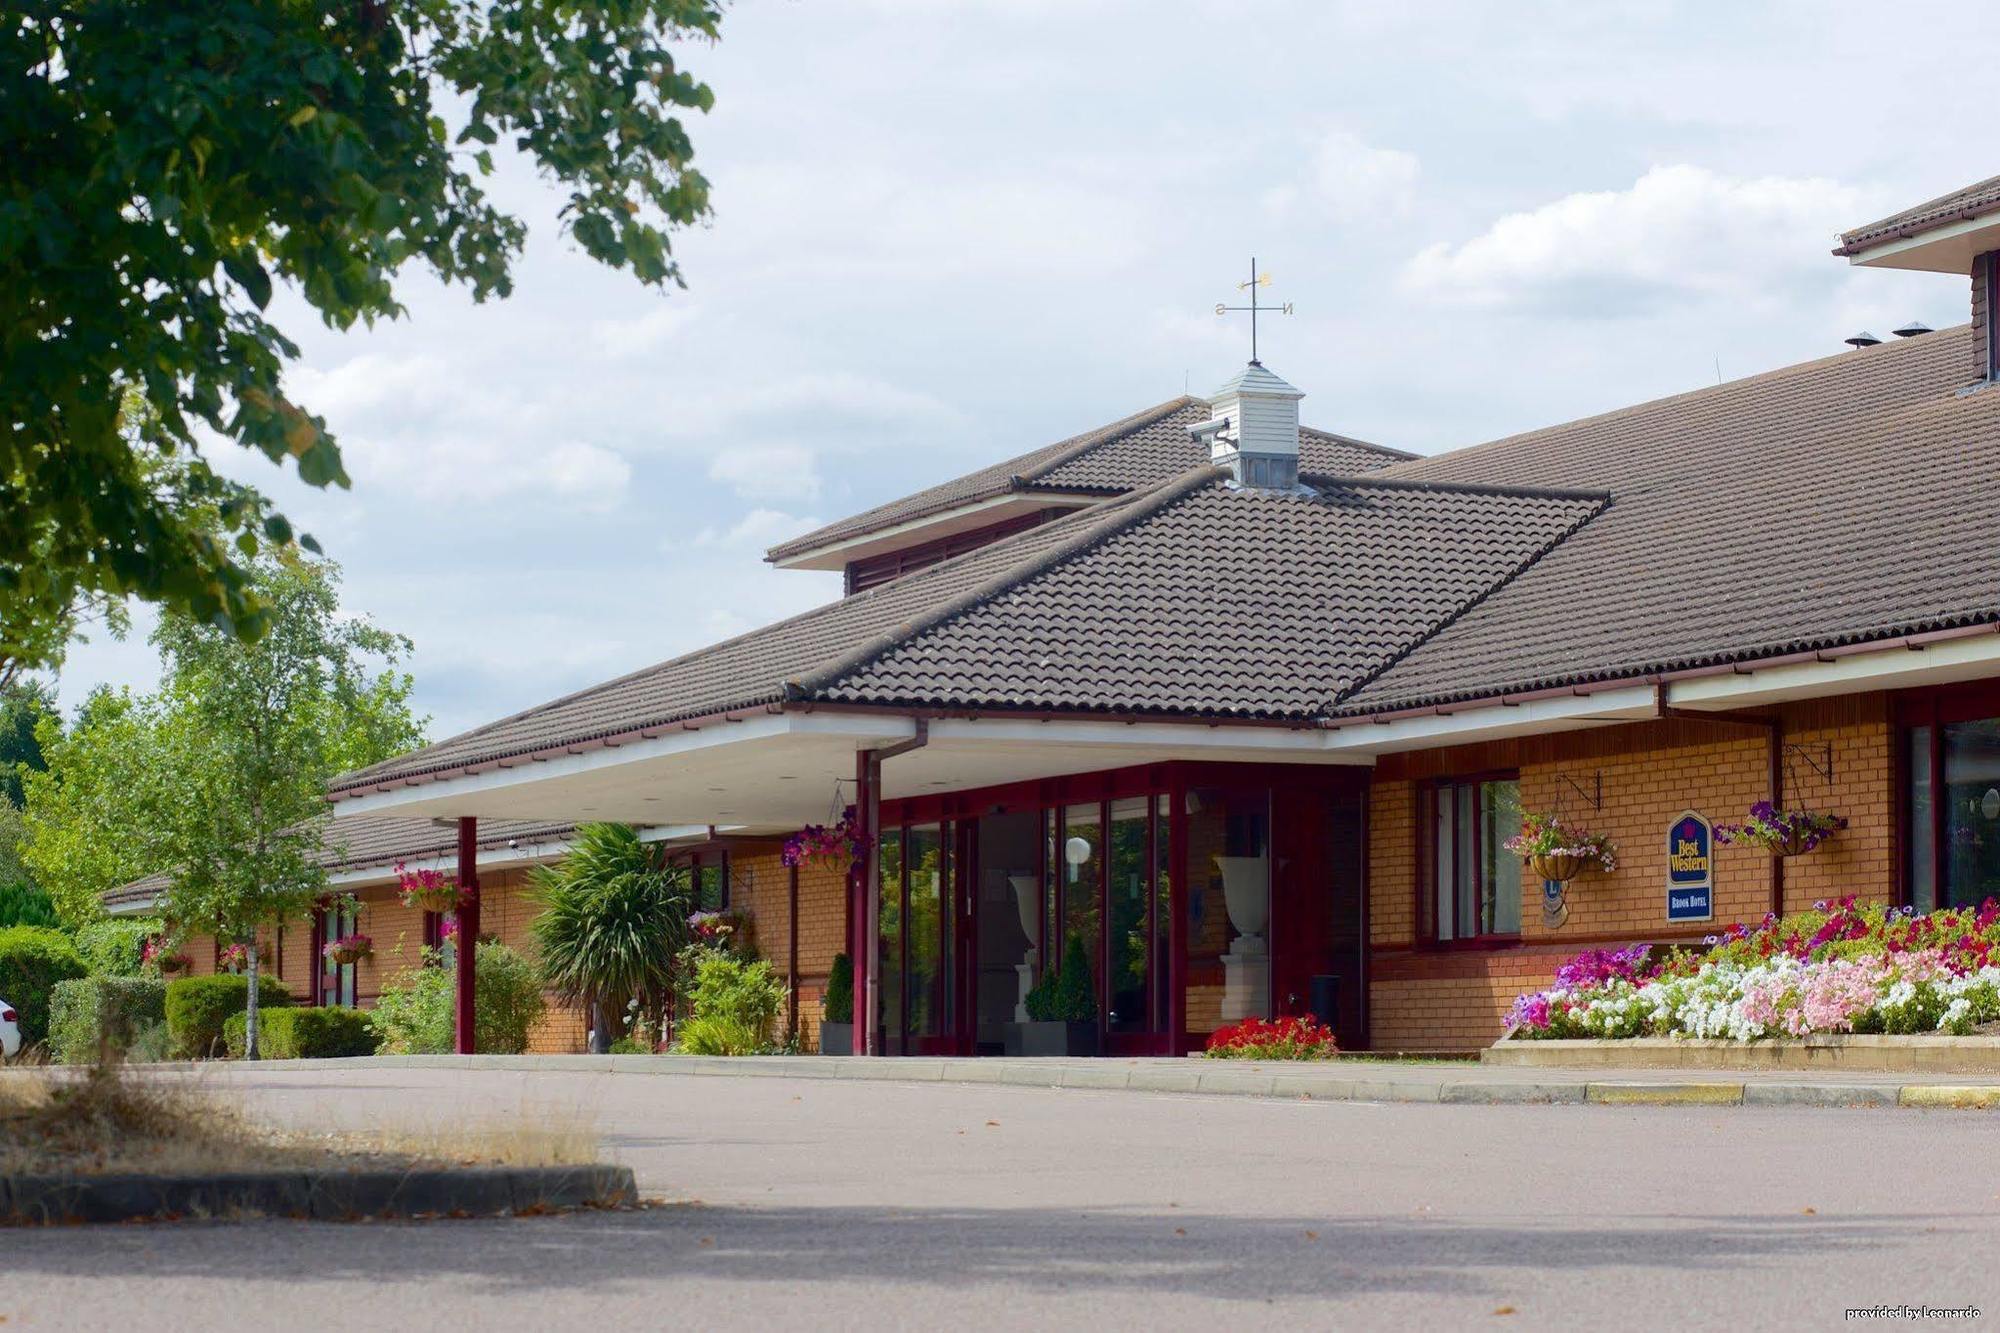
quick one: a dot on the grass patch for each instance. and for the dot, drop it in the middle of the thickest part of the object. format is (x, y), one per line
(102, 1119)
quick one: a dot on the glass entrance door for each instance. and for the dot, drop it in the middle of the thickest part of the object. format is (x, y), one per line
(1137, 916)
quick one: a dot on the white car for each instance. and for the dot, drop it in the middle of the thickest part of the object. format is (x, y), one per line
(10, 1031)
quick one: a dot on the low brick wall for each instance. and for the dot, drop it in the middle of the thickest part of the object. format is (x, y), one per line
(1824, 1054)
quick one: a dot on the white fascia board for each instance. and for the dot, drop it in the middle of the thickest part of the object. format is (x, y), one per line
(1564, 712)
(1937, 663)
(498, 858)
(865, 731)
(138, 908)
(1946, 249)
(944, 522)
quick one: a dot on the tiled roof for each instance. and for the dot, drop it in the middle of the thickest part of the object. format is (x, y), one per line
(1969, 202)
(1138, 451)
(1227, 602)
(354, 842)
(1189, 597)
(1838, 501)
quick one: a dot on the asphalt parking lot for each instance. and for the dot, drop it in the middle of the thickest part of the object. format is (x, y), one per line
(812, 1203)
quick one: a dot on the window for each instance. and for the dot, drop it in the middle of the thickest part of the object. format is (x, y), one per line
(711, 880)
(1471, 885)
(1952, 811)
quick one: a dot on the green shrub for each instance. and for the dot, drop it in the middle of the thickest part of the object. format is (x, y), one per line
(414, 1014)
(303, 1034)
(628, 1046)
(1068, 995)
(22, 904)
(734, 1002)
(112, 947)
(111, 1010)
(837, 1004)
(197, 1007)
(151, 1043)
(32, 960)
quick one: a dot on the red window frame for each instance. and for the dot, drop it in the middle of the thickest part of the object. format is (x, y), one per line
(1427, 861)
(1990, 280)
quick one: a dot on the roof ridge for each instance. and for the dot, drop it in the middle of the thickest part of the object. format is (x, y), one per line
(1900, 346)
(1078, 445)
(1534, 557)
(1459, 487)
(1124, 512)
(1369, 445)
(903, 584)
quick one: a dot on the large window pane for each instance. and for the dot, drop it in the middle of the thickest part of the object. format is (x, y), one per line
(1163, 911)
(1444, 859)
(1082, 868)
(1499, 869)
(889, 963)
(1228, 907)
(1972, 811)
(923, 992)
(1923, 839)
(1465, 840)
(1131, 939)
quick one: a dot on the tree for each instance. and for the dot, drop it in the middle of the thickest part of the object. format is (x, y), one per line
(613, 918)
(219, 781)
(23, 704)
(164, 167)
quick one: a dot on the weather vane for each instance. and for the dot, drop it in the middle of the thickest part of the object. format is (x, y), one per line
(1256, 280)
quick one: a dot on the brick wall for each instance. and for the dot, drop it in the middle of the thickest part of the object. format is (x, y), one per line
(1424, 998)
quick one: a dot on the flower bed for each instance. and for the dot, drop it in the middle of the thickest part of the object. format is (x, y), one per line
(1838, 968)
(1273, 1039)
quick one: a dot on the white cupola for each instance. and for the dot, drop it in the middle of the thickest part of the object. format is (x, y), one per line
(1253, 429)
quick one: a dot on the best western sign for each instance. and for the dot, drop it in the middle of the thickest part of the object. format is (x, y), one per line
(1690, 868)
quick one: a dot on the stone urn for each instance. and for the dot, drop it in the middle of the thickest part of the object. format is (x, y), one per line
(1028, 902)
(1246, 967)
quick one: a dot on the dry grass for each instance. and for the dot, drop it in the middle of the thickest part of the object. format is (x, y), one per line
(102, 1119)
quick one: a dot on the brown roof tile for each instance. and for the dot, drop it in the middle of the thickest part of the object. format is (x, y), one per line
(1969, 202)
(1127, 455)
(1841, 500)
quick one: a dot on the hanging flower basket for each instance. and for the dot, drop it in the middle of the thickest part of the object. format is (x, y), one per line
(839, 842)
(349, 950)
(233, 959)
(1560, 851)
(171, 963)
(428, 890)
(1781, 832)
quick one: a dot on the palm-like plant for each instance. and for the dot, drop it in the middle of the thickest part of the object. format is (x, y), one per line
(613, 917)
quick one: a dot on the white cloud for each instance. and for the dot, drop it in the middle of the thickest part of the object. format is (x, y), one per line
(1679, 232)
(642, 334)
(1346, 179)
(766, 471)
(757, 530)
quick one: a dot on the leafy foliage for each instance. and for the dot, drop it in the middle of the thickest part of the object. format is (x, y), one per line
(219, 779)
(613, 916)
(115, 946)
(22, 904)
(735, 1001)
(1068, 995)
(33, 959)
(413, 1015)
(23, 704)
(304, 1034)
(197, 1008)
(99, 1010)
(169, 166)
(837, 1005)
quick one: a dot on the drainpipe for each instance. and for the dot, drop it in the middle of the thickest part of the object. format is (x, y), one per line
(1773, 727)
(868, 810)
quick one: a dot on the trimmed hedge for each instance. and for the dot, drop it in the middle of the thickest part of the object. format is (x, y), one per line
(197, 1007)
(114, 947)
(414, 1013)
(303, 1034)
(114, 1009)
(32, 960)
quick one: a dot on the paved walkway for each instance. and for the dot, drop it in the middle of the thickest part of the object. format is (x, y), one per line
(801, 1203)
(1351, 1079)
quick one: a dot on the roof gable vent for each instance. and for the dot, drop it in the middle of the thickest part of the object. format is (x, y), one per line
(1253, 429)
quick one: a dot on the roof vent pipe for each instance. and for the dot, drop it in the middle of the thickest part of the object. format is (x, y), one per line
(1253, 429)
(1914, 328)
(1862, 339)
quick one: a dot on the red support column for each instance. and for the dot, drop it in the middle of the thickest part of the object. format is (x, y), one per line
(466, 942)
(867, 986)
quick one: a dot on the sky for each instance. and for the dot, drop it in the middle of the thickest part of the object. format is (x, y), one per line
(946, 233)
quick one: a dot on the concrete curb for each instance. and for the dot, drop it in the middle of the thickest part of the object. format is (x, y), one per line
(321, 1196)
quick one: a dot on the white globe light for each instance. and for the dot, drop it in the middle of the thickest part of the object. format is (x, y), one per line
(1076, 851)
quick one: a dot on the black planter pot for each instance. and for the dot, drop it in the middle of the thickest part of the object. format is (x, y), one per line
(836, 1038)
(1052, 1039)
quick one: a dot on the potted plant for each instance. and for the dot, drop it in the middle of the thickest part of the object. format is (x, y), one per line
(1781, 832)
(1558, 850)
(349, 949)
(428, 890)
(836, 1024)
(1062, 1008)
